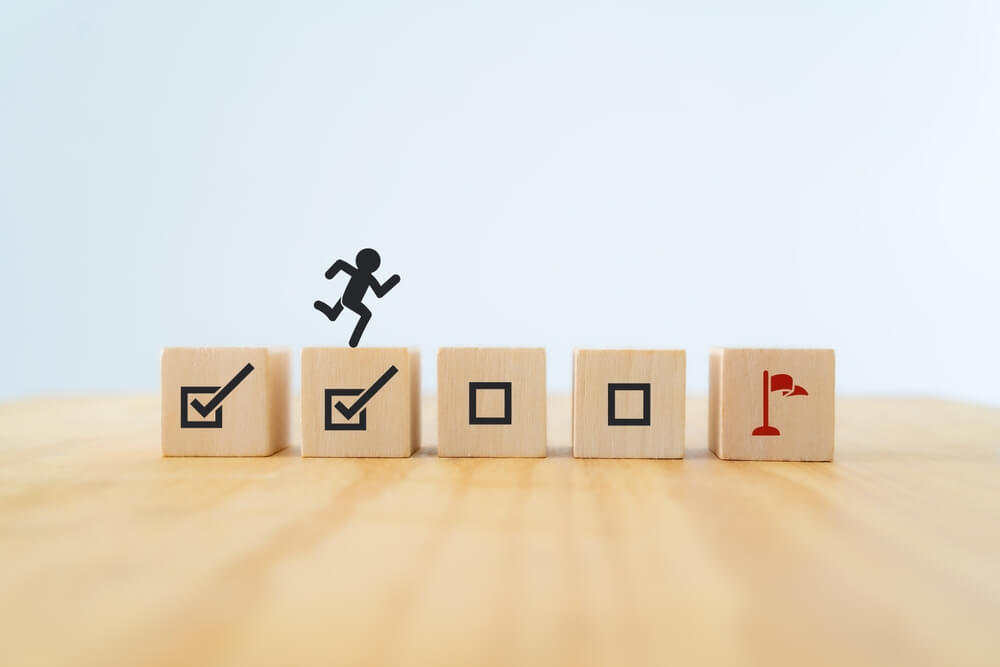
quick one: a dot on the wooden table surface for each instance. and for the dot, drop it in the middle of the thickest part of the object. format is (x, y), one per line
(114, 556)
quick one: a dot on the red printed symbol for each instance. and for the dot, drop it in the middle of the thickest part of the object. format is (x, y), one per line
(786, 385)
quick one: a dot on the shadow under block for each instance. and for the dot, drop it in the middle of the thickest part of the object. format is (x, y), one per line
(360, 402)
(628, 403)
(771, 405)
(491, 402)
(224, 401)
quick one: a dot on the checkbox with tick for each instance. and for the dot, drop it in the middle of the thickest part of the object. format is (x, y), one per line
(359, 402)
(221, 401)
(357, 407)
(213, 397)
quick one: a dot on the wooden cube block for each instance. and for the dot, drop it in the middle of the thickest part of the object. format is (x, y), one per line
(224, 401)
(491, 402)
(629, 403)
(771, 405)
(360, 402)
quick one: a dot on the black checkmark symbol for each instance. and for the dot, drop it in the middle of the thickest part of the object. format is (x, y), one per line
(206, 409)
(349, 412)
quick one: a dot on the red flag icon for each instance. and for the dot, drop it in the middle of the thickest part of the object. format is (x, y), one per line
(786, 385)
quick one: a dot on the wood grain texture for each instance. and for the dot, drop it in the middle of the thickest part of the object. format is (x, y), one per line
(594, 436)
(391, 416)
(113, 555)
(802, 426)
(254, 416)
(524, 369)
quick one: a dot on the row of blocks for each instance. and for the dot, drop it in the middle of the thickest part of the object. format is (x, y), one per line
(764, 404)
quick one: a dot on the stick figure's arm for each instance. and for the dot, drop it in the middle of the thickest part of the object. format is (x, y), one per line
(381, 290)
(340, 265)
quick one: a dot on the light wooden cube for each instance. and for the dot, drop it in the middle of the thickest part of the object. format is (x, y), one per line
(491, 402)
(629, 403)
(360, 401)
(771, 405)
(224, 401)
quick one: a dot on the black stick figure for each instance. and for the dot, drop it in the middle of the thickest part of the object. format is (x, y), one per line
(368, 262)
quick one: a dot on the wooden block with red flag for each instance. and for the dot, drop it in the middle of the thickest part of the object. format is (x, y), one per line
(771, 405)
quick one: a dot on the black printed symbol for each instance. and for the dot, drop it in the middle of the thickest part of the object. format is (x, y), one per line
(474, 388)
(368, 262)
(613, 389)
(213, 404)
(356, 408)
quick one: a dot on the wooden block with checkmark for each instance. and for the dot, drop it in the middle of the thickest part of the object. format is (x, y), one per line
(628, 404)
(360, 402)
(491, 402)
(771, 405)
(224, 401)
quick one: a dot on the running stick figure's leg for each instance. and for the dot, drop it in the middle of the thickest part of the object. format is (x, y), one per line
(364, 316)
(331, 313)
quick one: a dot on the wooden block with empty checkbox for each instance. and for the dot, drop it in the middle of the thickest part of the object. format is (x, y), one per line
(628, 404)
(491, 402)
(360, 402)
(771, 405)
(224, 401)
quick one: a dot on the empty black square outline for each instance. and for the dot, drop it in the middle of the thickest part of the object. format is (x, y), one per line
(476, 386)
(628, 386)
(328, 411)
(185, 405)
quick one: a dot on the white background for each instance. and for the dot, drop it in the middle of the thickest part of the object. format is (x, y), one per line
(675, 175)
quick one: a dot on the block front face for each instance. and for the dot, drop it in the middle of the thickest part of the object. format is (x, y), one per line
(491, 402)
(772, 405)
(360, 402)
(628, 403)
(224, 401)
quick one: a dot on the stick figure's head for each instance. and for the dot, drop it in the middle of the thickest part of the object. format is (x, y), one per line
(368, 260)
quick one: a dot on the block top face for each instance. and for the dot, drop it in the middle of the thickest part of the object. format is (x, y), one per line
(629, 403)
(487, 350)
(491, 402)
(215, 401)
(380, 350)
(775, 404)
(360, 402)
(769, 350)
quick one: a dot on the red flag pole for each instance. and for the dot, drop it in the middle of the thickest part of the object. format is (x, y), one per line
(767, 397)
(766, 428)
